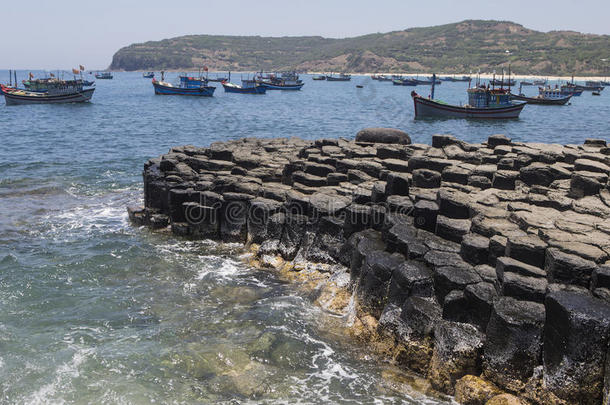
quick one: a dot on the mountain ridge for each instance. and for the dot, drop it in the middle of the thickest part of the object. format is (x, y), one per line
(451, 48)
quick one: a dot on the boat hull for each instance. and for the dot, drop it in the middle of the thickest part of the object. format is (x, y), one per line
(405, 82)
(338, 79)
(271, 86)
(204, 91)
(541, 101)
(245, 90)
(44, 98)
(430, 108)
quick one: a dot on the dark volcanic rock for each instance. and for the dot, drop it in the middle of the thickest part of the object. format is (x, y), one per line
(447, 279)
(383, 135)
(452, 229)
(490, 231)
(425, 178)
(514, 342)
(397, 184)
(410, 278)
(425, 213)
(457, 352)
(529, 249)
(475, 249)
(575, 346)
(566, 268)
(375, 276)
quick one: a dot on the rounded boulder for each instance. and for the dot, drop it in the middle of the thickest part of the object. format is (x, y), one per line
(383, 135)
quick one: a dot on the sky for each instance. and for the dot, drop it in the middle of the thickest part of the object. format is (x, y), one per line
(60, 34)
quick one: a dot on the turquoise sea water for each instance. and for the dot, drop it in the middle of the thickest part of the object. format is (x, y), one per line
(93, 310)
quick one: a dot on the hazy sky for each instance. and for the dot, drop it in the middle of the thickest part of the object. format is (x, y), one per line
(48, 34)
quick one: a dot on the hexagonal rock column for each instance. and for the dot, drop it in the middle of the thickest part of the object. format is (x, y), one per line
(514, 342)
(575, 346)
(457, 352)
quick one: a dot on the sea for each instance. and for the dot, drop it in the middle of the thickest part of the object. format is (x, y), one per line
(94, 310)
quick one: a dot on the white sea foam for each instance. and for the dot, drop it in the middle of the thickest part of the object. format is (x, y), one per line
(64, 375)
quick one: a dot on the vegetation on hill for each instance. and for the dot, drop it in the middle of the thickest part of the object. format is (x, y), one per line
(452, 48)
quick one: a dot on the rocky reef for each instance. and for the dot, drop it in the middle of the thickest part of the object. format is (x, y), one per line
(484, 267)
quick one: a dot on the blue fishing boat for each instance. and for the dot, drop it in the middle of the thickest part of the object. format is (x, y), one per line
(483, 103)
(188, 86)
(570, 89)
(148, 75)
(282, 85)
(247, 87)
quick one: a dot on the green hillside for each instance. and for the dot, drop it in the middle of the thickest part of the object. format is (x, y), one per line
(451, 48)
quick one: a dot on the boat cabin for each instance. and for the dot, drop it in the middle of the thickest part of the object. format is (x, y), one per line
(483, 97)
(548, 92)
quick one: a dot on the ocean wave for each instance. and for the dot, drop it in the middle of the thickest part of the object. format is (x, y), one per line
(56, 391)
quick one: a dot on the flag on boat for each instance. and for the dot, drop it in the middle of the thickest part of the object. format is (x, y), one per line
(75, 71)
(31, 76)
(82, 68)
(205, 68)
(51, 74)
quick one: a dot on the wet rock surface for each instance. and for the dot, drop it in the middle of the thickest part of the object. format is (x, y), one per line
(483, 260)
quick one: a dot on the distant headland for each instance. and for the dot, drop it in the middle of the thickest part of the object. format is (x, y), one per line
(452, 48)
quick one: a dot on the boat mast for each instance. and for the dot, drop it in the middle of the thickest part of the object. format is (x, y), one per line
(509, 77)
(10, 78)
(433, 82)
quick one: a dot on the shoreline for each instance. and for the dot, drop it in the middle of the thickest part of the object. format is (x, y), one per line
(485, 76)
(448, 255)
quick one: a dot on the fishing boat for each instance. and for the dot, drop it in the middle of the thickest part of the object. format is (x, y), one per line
(103, 75)
(571, 89)
(503, 82)
(593, 84)
(45, 84)
(280, 84)
(339, 78)
(220, 79)
(526, 83)
(483, 103)
(425, 81)
(381, 78)
(588, 86)
(404, 82)
(545, 97)
(283, 81)
(596, 93)
(540, 82)
(247, 87)
(148, 75)
(319, 77)
(56, 95)
(188, 86)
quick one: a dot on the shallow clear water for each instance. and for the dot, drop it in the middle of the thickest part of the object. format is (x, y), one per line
(93, 310)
